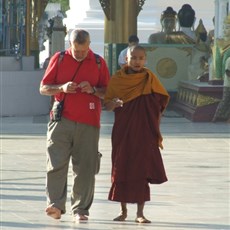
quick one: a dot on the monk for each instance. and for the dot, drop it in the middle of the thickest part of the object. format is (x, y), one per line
(138, 100)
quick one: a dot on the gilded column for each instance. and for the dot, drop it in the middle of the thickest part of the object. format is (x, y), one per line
(120, 23)
(120, 19)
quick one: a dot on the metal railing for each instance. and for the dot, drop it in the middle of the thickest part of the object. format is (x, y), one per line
(12, 31)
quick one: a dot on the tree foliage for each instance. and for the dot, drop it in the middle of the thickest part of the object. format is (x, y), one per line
(64, 4)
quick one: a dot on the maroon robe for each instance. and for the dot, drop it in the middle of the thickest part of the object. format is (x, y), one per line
(136, 158)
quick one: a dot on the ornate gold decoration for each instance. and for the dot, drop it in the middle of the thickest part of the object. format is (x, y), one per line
(139, 6)
(166, 67)
(150, 48)
(188, 50)
(205, 100)
(108, 8)
(200, 28)
(194, 98)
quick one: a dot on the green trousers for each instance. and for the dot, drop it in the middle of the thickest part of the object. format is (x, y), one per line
(75, 144)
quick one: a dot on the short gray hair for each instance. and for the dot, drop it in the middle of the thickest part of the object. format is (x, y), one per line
(79, 36)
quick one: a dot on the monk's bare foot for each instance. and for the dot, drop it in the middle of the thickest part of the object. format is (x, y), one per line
(53, 212)
(142, 220)
(122, 216)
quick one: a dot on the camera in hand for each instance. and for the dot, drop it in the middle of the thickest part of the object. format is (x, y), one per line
(56, 112)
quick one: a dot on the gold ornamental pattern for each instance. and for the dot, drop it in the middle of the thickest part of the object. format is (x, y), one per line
(194, 98)
(166, 67)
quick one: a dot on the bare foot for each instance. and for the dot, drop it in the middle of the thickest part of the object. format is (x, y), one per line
(53, 212)
(79, 217)
(142, 220)
(121, 217)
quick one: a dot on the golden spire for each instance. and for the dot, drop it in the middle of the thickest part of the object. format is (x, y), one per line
(200, 28)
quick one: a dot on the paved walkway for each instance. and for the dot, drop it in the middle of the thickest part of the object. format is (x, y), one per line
(196, 158)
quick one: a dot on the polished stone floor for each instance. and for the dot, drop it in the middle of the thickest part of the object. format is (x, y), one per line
(196, 157)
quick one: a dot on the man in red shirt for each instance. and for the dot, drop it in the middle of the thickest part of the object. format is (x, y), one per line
(79, 80)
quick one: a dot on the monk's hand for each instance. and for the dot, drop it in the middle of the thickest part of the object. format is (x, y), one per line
(117, 102)
(160, 145)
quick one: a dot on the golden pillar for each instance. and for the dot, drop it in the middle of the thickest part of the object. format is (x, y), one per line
(120, 19)
(120, 23)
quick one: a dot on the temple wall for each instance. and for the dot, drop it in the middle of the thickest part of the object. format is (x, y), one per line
(20, 93)
(19, 88)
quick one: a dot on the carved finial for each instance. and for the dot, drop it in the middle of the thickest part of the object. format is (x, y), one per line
(106, 6)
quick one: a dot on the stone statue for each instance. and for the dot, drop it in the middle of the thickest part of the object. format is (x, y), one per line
(223, 110)
(222, 64)
(186, 18)
(168, 22)
(200, 55)
(222, 50)
(211, 34)
(211, 38)
(169, 34)
(56, 33)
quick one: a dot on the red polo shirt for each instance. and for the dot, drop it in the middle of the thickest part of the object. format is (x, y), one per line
(79, 107)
